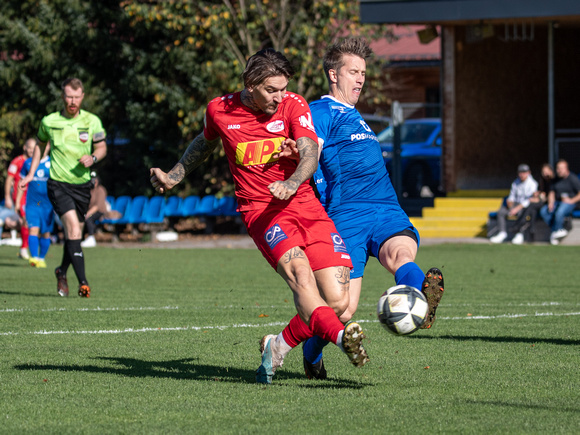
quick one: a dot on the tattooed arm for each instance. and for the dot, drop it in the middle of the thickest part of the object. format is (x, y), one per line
(308, 151)
(198, 150)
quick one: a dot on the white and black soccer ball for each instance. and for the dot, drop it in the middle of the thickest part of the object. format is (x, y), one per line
(402, 309)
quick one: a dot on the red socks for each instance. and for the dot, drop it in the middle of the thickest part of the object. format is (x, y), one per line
(296, 332)
(24, 235)
(325, 324)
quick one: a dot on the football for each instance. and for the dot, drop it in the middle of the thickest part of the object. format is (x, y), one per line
(402, 309)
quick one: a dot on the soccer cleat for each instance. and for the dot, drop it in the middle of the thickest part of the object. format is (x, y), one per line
(33, 261)
(24, 254)
(270, 361)
(61, 282)
(352, 346)
(84, 290)
(41, 264)
(314, 371)
(433, 291)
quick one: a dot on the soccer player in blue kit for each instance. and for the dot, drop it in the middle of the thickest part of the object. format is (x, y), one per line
(357, 192)
(39, 211)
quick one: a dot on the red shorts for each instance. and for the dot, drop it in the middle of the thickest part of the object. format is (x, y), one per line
(277, 229)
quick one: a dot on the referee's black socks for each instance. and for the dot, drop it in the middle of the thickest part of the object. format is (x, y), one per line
(75, 254)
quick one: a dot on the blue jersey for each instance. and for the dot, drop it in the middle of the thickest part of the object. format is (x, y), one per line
(353, 182)
(37, 188)
(351, 168)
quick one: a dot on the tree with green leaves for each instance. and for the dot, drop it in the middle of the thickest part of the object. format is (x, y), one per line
(150, 67)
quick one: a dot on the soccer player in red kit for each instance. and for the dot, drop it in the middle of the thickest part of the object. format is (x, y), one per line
(11, 191)
(277, 204)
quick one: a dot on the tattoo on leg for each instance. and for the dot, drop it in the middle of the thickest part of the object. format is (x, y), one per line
(293, 253)
(343, 276)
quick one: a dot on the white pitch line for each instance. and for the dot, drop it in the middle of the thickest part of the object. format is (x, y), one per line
(246, 325)
(48, 310)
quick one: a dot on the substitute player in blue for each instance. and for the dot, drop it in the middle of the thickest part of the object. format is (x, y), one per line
(357, 192)
(39, 211)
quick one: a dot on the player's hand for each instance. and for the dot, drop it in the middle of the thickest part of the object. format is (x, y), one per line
(287, 149)
(283, 189)
(87, 161)
(160, 181)
(8, 202)
(24, 181)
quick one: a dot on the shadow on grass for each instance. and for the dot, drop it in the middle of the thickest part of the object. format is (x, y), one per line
(36, 295)
(522, 405)
(180, 369)
(529, 340)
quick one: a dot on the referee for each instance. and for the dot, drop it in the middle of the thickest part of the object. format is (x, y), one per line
(77, 142)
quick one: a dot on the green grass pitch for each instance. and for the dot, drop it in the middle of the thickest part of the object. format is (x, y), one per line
(169, 343)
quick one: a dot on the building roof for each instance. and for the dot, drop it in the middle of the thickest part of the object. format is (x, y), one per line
(449, 11)
(407, 46)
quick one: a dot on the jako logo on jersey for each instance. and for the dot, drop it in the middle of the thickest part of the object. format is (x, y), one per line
(234, 127)
(275, 126)
(274, 235)
(84, 136)
(339, 245)
(306, 121)
(258, 152)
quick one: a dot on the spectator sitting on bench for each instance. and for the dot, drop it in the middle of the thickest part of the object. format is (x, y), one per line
(536, 202)
(522, 189)
(97, 210)
(562, 198)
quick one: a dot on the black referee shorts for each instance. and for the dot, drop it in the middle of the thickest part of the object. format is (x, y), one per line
(65, 197)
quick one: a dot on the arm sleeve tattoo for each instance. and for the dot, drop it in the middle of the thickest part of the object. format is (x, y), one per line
(198, 150)
(308, 150)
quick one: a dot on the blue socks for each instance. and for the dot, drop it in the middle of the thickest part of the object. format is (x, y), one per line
(312, 349)
(407, 274)
(33, 246)
(44, 245)
(410, 274)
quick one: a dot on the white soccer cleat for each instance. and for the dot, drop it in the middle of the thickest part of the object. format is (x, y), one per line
(24, 254)
(271, 360)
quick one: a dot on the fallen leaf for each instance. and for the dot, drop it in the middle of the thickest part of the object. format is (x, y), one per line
(263, 315)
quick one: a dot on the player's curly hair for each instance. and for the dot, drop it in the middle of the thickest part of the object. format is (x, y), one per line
(265, 64)
(334, 54)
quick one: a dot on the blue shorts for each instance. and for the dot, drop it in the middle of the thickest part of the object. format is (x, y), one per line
(40, 217)
(364, 228)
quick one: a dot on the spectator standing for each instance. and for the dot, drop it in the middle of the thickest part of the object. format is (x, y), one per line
(518, 200)
(97, 209)
(562, 199)
(77, 142)
(11, 191)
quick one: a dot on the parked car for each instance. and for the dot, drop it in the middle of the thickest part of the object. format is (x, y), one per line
(420, 154)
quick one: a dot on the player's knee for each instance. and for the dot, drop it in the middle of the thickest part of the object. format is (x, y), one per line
(346, 315)
(340, 306)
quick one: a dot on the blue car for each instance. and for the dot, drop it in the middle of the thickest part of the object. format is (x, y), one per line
(420, 155)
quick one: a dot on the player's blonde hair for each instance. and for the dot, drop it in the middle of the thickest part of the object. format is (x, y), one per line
(333, 58)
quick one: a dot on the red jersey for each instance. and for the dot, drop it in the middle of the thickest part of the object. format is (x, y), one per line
(250, 138)
(14, 170)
